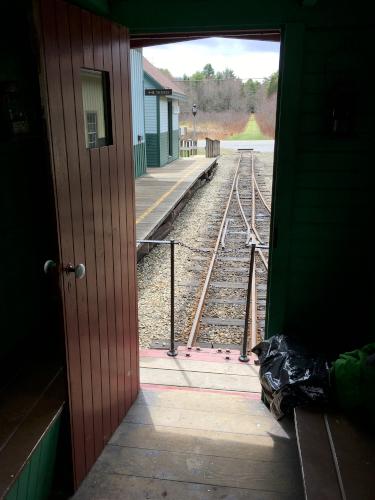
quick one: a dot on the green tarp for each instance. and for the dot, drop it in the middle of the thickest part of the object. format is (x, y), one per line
(353, 381)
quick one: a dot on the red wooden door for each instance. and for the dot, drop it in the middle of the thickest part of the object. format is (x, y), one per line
(94, 193)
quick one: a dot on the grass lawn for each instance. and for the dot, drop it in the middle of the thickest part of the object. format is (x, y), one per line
(251, 132)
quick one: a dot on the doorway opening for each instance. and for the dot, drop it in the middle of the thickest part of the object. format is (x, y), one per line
(228, 96)
(202, 258)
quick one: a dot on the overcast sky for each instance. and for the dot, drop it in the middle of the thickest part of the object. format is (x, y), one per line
(247, 58)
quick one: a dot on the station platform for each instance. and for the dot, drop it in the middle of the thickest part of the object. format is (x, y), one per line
(197, 431)
(162, 193)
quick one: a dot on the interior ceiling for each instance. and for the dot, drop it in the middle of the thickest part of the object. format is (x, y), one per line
(149, 39)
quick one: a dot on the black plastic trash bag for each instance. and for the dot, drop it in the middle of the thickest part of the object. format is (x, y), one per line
(291, 375)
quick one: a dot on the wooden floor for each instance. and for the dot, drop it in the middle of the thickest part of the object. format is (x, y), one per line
(159, 191)
(198, 430)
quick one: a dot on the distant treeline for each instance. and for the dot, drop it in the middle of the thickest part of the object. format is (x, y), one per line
(223, 91)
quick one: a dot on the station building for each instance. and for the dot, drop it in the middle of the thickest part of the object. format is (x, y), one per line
(155, 115)
(161, 116)
(138, 112)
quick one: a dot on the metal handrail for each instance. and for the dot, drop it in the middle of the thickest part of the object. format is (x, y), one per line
(254, 247)
(243, 355)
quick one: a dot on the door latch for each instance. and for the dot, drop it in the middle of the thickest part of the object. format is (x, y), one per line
(79, 270)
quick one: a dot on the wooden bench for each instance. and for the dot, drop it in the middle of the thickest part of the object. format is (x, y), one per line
(337, 457)
(29, 405)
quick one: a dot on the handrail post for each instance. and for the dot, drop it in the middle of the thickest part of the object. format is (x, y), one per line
(172, 351)
(243, 356)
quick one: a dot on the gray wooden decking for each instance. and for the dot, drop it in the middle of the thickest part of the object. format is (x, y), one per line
(159, 191)
(189, 441)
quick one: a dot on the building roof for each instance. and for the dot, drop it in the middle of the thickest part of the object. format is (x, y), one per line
(163, 80)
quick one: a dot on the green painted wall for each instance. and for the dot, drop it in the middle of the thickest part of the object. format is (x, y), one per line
(35, 480)
(157, 149)
(242, 14)
(139, 158)
(176, 144)
(152, 150)
(164, 148)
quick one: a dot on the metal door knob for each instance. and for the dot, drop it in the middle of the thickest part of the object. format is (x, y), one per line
(49, 266)
(79, 270)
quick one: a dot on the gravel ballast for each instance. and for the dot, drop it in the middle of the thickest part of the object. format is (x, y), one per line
(196, 227)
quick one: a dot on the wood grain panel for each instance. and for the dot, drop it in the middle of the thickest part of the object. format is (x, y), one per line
(89, 238)
(62, 196)
(118, 140)
(108, 262)
(116, 241)
(94, 192)
(72, 157)
(130, 206)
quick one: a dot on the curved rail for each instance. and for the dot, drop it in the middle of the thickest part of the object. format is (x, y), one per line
(261, 196)
(254, 185)
(248, 227)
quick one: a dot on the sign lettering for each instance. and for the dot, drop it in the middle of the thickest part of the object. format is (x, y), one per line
(158, 91)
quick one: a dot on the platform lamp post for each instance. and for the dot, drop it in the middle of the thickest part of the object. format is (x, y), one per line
(194, 110)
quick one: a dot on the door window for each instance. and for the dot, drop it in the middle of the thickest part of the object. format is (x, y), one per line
(96, 108)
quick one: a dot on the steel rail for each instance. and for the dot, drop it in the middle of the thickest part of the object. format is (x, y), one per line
(261, 196)
(254, 183)
(224, 234)
(253, 207)
(254, 312)
(254, 299)
(248, 228)
(264, 260)
(199, 311)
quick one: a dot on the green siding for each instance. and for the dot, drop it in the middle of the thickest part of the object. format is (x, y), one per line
(139, 158)
(35, 480)
(164, 148)
(332, 193)
(164, 157)
(152, 150)
(176, 145)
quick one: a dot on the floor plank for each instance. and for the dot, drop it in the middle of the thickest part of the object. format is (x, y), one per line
(100, 486)
(192, 468)
(205, 401)
(200, 366)
(203, 380)
(196, 419)
(202, 442)
(196, 431)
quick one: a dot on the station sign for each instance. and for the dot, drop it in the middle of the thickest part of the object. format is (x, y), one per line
(158, 91)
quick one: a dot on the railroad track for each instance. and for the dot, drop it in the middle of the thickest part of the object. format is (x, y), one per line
(219, 316)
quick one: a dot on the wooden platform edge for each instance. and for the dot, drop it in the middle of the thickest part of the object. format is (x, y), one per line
(164, 225)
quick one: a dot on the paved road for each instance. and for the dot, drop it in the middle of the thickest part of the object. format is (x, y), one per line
(262, 146)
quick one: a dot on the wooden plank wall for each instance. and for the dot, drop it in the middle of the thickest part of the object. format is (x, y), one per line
(94, 191)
